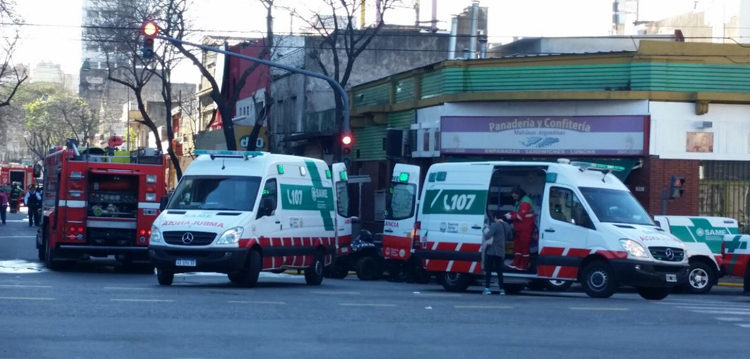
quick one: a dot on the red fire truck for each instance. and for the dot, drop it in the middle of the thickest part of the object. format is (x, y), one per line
(16, 174)
(96, 205)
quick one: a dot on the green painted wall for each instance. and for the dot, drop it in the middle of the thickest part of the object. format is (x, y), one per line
(402, 119)
(368, 143)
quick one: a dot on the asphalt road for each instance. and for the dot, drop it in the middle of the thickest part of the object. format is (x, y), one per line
(96, 310)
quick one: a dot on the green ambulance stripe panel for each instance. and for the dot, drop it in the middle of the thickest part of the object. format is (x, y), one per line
(449, 201)
(319, 196)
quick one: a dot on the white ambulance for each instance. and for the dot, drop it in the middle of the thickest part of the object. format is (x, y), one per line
(241, 213)
(736, 257)
(703, 238)
(589, 226)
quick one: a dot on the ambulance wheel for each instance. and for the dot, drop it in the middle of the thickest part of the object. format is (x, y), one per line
(252, 272)
(368, 268)
(597, 280)
(164, 276)
(651, 293)
(554, 285)
(455, 282)
(314, 273)
(700, 278)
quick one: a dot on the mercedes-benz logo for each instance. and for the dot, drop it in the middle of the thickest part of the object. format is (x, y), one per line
(668, 252)
(187, 238)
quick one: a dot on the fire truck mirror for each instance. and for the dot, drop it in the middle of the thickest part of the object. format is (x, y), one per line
(163, 203)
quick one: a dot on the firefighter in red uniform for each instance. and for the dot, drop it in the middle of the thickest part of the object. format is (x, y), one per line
(523, 228)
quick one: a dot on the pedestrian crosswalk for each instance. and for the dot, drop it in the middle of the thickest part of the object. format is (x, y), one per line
(736, 313)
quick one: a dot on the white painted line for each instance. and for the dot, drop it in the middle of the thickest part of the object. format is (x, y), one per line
(26, 298)
(439, 295)
(613, 309)
(689, 302)
(722, 312)
(23, 286)
(331, 292)
(366, 305)
(744, 325)
(254, 302)
(125, 288)
(482, 307)
(143, 300)
(730, 319)
(699, 308)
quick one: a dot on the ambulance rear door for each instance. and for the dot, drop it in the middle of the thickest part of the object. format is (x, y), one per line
(401, 212)
(343, 217)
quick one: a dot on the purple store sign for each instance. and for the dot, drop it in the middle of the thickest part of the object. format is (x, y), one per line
(544, 135)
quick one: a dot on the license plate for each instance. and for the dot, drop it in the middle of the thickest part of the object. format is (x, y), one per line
(672, 278)
(183, 262)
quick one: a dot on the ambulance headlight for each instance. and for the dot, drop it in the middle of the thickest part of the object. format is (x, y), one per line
(155, 237)
(230, 237)
(634, 248)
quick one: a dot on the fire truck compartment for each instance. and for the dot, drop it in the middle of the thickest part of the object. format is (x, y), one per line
(113, 196)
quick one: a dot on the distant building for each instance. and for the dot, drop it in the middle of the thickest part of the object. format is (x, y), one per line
(53, 73)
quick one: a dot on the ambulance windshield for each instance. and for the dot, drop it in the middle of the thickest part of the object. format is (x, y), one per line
(215, 193)
(615, 206)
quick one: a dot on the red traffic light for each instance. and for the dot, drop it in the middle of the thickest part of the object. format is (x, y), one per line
(150, 29)
(346, 140)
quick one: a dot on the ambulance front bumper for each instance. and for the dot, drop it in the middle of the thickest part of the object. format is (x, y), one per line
(222, 260)
(649, 274)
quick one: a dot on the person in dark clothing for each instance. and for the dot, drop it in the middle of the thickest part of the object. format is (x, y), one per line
(493, 250)
(16, 193)
(33, 202)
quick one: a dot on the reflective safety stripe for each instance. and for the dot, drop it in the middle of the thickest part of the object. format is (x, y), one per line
(148, 205)
(111, 224)
(71, 204)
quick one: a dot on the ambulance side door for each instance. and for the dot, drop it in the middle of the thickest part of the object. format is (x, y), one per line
(268, 222)
(565, 228)
(344, 219)
(401, 212)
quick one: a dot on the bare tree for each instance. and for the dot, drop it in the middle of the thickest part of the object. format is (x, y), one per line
(226, 103)
(341, 42)
(11, 76)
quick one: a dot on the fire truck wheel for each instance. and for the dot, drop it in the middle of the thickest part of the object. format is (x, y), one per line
(314, 273)
(49, 257)
(700, 278)
(41, 248)
(252, 272)
(455, 282)
(597, 280)
(165, 276)
(654, 293)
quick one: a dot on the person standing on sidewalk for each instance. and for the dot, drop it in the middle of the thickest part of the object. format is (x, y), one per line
(493, 248)
(33, 200)
(3, 204)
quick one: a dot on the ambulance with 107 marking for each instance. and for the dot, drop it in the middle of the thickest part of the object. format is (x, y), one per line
(588, 226)
(241, 213)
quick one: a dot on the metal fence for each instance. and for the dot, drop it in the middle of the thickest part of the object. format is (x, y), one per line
(726, 199)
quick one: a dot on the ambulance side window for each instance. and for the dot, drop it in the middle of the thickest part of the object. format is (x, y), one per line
(342, 198)
(268, 199)
(565, 206)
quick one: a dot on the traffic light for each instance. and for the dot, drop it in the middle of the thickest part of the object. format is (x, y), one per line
(346, 144)
(149, 29)
(676, 186)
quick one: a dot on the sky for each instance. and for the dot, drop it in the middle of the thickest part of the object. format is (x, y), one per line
(53, 30)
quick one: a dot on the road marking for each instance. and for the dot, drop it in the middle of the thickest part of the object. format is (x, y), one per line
(709, 307)
(334, 292)
(730, 319)
(482, 307)
(125, 288)
(744, 325)
(142, 300)
(722, 312)
(27, 298)
(23, 286)
(17, 236)
(366, 305)
(614, 309)
(439, 295)
(254, 302)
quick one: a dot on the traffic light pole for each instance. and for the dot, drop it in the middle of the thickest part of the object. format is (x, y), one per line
(336, 86)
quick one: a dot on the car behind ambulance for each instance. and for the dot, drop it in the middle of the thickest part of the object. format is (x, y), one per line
(589, 226)
(243, 212)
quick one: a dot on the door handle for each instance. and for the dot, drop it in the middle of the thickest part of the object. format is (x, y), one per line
(388, 230)
(550, 230)
(476, 227)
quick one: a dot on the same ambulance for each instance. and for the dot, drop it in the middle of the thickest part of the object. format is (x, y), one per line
(736, 257)
(241, 213)
(704, 240)
(588, 225)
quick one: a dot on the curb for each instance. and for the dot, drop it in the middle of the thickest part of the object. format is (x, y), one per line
(734, 285)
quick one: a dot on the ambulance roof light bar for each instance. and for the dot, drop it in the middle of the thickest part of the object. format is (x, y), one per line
(582, 166)
(228, 154)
